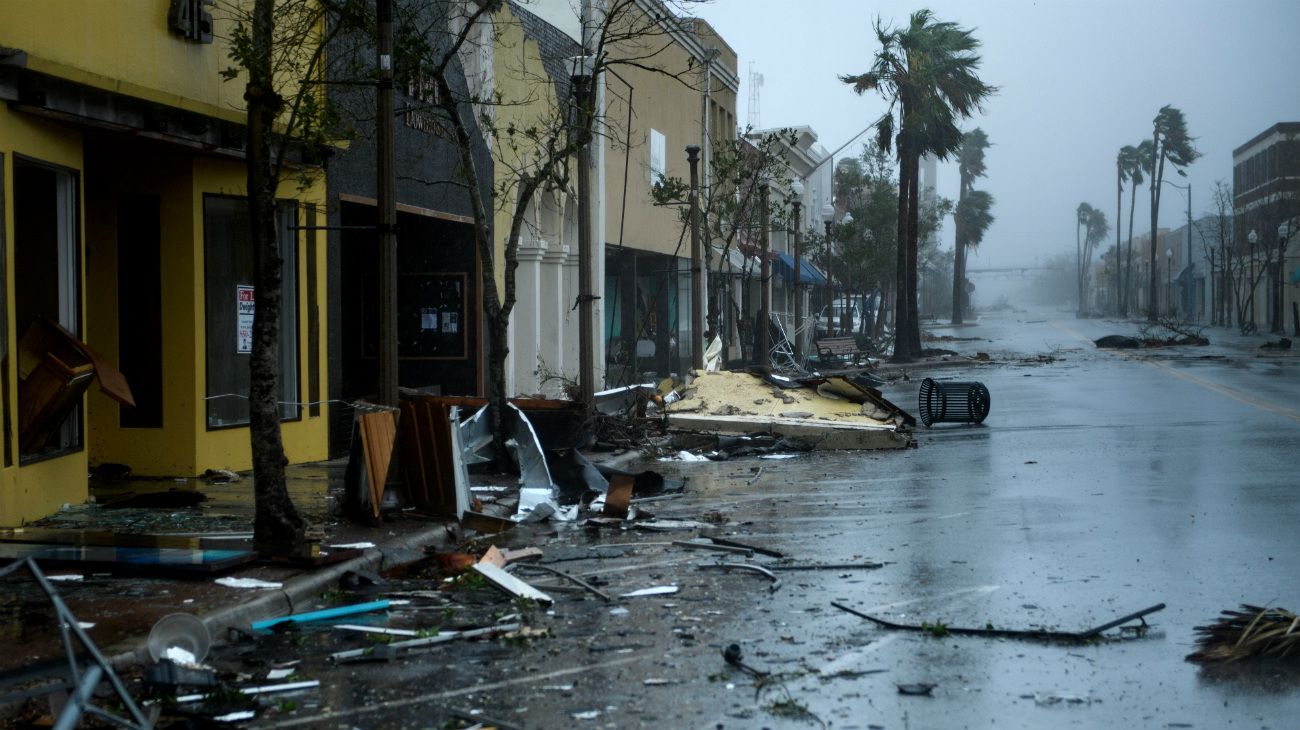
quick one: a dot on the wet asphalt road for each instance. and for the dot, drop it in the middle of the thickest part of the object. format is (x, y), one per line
(1099, 485)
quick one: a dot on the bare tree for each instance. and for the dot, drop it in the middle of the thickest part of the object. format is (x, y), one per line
(278, 48)
(536, 155)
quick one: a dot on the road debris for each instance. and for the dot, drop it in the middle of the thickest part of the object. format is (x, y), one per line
(1251, 632)
(571, 578)
(510, 584)
(655, 591)
(917, 688)
(732, 655)
(326, 613)
(387, 651)
(265, 689)
(251, 583)
(775, 582)
(693, 545)
(940, 629)
(732, 543)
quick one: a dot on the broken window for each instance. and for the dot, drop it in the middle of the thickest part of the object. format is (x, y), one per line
(47, 249)
(230, 305)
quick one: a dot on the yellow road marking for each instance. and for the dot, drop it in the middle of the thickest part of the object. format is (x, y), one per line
(1240, 396)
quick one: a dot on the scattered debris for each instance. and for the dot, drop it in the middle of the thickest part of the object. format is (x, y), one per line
(265, 689)
(383, 630)
(248, 583)
(940, 629)
(573, 579)
(322, 614)
(510, 584)
(1251, 632)
(656, 591)
(692, 545)
(387, 651)
(917, 688)
(1047, 700)
(731, 543)
(1281, 344)
(181, 637)
(618, 497)
(1118, 342)
(776, 582)
(732, 655)
(353, 546)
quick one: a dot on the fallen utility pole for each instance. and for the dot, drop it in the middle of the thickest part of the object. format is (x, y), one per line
(1077, 637)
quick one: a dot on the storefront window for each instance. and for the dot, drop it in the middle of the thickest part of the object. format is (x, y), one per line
(230, 305)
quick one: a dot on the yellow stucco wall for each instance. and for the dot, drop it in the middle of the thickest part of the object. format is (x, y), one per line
(527, 101)
(670, 107)
(84, 41)
(35, 490)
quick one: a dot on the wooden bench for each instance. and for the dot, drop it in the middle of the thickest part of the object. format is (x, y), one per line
(840, 349)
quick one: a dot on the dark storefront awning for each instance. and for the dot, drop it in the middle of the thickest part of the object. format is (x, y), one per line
(808, 274)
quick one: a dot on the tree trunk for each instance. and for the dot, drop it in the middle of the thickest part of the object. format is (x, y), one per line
(1157, 177)
(1128, 280)
(1119, 245)
(901, 289)
(913, 332)
(959, 255)
(277, 527)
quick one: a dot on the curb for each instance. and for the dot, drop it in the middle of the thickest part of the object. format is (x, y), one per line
(296, 590)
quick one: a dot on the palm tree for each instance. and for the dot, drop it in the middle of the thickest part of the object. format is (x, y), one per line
(1132, 162)
(1169, 143)
(973, 219)
(970, 164)
(927, 73)
(1082, 215)
(1093, 222)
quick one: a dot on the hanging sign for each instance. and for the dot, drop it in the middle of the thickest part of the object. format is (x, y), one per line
(245, 305)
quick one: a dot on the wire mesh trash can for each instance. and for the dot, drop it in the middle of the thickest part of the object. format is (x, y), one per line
(955, 402)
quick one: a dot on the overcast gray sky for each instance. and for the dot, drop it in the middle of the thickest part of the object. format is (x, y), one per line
(1077, 80)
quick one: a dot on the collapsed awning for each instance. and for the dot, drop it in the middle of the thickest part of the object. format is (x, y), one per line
(808, 274)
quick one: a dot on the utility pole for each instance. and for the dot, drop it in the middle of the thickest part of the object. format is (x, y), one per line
(586, 364)
(761, 359)
(798, 298)
(386, 193)
(697, 278)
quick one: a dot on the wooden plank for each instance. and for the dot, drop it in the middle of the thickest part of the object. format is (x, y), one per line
(378, 438)
(618, 496)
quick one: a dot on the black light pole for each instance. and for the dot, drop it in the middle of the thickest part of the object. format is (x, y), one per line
(386, 200)
(830, 288)
(697, 303)
(1251, 238)
(1283, 230)
(761, 323)
(797, 189)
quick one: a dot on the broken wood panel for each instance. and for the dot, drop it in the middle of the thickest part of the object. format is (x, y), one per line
(618, 496)
(378, 439)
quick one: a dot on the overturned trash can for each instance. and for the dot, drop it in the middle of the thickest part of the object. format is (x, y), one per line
(955, 402)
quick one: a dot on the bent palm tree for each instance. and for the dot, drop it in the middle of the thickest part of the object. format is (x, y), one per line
(927, 74)
(1169, 143)
(970, 165)
(1082, 215)
(1132, 163)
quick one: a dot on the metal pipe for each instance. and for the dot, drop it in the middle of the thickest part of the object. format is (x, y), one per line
(697, 277)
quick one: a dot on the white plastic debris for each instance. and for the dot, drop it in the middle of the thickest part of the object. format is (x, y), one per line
(180, 656)
(236, 716)
(655, 591)
(588, 715)
(354, 546)
(685, 456)
(275, 674)
(248, 583)
(70, 577)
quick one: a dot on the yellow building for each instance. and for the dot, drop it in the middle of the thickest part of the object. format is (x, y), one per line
(122, 221)
(680, 91)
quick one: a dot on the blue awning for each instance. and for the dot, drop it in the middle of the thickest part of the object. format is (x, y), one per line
(808, 274)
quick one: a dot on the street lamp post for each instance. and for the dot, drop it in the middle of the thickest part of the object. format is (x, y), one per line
(828, 216)
(1251, 238)
(1283, 230)
(796, 187)
(1169, 281)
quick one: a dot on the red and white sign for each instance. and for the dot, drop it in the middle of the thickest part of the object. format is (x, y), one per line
(245, 306)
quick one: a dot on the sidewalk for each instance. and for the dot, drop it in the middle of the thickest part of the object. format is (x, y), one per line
(123, 608)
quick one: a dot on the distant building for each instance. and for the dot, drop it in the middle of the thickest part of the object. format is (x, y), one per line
(1266, 201)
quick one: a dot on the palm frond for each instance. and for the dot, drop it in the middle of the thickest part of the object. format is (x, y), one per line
(1249, 633)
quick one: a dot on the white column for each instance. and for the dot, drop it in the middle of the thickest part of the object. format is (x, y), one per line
(552, 311)
(526, 340)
